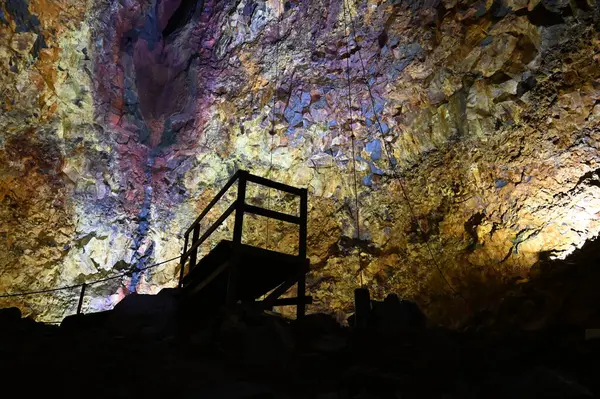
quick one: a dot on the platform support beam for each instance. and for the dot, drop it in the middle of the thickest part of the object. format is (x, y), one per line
(301, 306)
(362, 307)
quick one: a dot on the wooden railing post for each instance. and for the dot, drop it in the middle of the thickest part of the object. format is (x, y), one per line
(239, 208)
(183, 259)
(238, 229)
(301, 307)
(303, 223)
(81, 296)
(194, 254)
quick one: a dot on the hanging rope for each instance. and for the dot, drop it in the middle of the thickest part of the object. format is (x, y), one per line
(267, 240)
(25, 293)
(272, 130)
(352, 138)
(391, 160)
(68, 287)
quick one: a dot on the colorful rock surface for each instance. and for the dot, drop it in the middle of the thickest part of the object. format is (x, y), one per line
(119, 120)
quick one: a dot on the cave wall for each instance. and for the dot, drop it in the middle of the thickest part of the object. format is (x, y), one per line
(121, 119)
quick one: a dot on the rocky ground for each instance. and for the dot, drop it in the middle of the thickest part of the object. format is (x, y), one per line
(251, 355)
(532, 345)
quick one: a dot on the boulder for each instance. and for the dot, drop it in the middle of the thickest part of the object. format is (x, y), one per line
(149, 314)
(8, 315)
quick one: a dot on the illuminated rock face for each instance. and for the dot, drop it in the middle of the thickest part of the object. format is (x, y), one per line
(120, 121)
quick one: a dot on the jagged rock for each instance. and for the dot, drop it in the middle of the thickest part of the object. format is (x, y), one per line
(150, 314)
(123, 120)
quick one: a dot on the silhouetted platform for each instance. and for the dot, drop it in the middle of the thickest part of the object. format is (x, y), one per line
(260, 271)
(233, 272)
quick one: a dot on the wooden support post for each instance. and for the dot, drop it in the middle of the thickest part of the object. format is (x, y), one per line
(239, 208)
(81, 296)
(238, 229)
(362, 307)
(303, 224)
(301, 305)
(304, 263)
(182, 260)
(194, 255)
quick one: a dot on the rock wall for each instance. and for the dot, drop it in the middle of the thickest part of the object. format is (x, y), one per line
(475, 126)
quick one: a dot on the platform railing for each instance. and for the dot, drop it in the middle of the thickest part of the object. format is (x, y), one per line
(240, 207)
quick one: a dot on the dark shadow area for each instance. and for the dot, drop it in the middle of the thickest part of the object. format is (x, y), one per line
(145, 347)
(559, 294)
(532, 345)
(181, 16)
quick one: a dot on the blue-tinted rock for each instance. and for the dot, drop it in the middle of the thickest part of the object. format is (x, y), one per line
(375, 170)
(305, 99)
(500, 183)
(374, 149)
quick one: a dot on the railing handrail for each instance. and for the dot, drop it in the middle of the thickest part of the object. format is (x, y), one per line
(212, 203)
(251, 178)
(240, 206)
(276, 185)
(210, 230)
(260, 211)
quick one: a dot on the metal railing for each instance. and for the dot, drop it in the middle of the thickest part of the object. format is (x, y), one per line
(240, 207)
